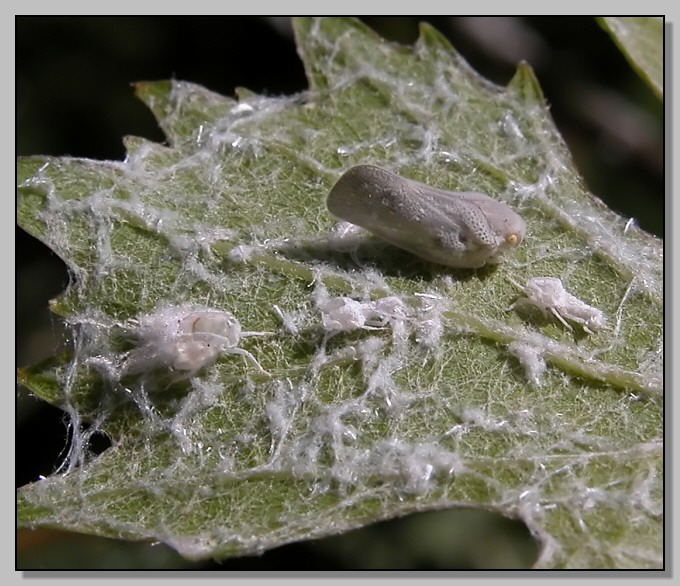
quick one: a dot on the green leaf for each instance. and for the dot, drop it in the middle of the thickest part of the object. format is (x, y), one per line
(428, 412)
(640, 38)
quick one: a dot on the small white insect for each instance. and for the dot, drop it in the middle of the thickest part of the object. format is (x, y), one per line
(186, 338)
(461, 230)
(549, 295)
(342, 314)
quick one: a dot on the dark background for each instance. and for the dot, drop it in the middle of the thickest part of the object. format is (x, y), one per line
(74, 98)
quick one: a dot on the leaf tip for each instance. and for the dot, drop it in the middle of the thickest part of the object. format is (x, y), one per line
(525, 83)
(430, 36)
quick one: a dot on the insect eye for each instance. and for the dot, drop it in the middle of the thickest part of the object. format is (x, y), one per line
(512, 239)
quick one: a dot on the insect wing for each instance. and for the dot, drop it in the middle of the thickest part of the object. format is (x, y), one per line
(429, 222)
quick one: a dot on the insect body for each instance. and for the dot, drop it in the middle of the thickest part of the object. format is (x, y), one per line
(342, 314)
(549, 295)
(461, 230)
(186, 338)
